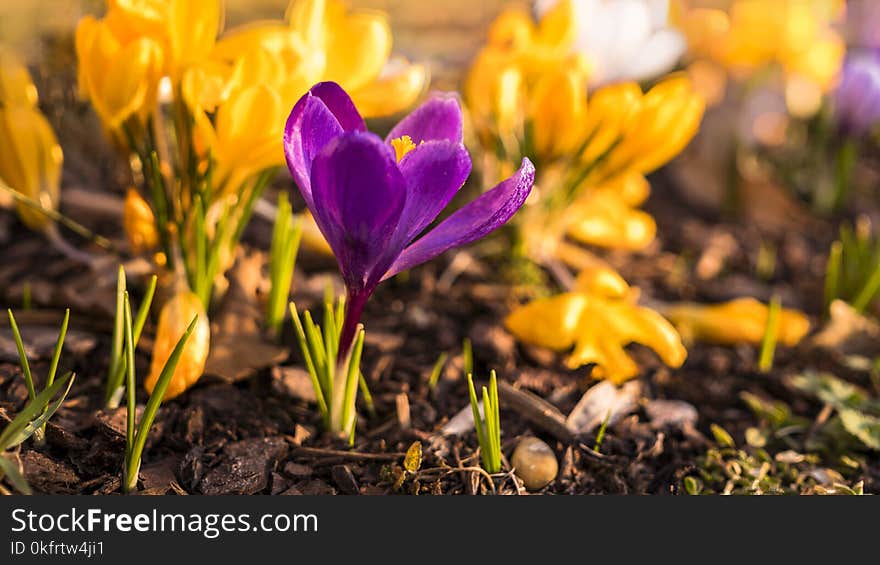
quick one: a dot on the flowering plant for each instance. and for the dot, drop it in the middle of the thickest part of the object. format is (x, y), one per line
(199, 113)
(528, 94)
(373, 198)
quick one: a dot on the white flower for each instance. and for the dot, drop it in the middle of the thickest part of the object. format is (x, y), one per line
(623, 39)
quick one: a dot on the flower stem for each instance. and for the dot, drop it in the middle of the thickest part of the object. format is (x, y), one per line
(353, 310)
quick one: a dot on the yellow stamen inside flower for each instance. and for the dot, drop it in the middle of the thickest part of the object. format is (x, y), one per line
(402, 146)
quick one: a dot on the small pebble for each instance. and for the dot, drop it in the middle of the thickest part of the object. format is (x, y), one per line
(535, 463)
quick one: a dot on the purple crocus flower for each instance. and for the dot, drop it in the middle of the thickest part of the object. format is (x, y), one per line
(857, 99)
(372, 198)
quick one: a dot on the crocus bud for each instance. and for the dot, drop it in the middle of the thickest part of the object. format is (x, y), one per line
(174, 319)
(139, 223)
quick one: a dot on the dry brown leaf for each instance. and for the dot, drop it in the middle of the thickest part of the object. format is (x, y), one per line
(240, 349)
(604, 400)
(848, 332)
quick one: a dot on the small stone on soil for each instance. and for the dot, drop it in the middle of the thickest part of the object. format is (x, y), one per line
(535, 463)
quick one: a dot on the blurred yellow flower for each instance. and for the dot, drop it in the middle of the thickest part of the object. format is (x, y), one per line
(119, 74)
(607, 216)
(242, 92)
(139, 223)
(174, 319)
(243, 139)
(517, 55)
(527, 95)
(30, 158)
(185, 29)
(594, 153)
(797, 35)
(321, 40)
(597, 319)
(743, 320)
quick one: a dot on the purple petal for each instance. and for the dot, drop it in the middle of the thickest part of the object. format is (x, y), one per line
(321, 115)
(341, 104)
(475, 220)
(438, 118)
(359, 194)
(434, 171)
(857, 94)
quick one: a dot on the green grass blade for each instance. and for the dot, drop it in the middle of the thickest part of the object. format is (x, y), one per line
(331, 343)
(203, 278)
(13, 432)
(869, 291)
(114, 376)
(832, 274)
(56, 357)
(437, 370)
(488, 449)
(467, 355)
(152, 407)
(368, 396)
(316, 343)
(22, 356)
(26, 296)
(340, 317)
(351, 381)
(600, 435)
(144, 309)
(310, 365)
(37, 424)
(59, 345)
(131, 405)
(139, 322)
(478, 422)
(286, 236)
(495, 412)
(771, 333)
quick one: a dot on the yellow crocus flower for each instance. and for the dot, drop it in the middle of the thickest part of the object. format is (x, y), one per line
(743, 320)
(611, 109)
(397, 87)
(517, 56)
(596, 321)
(241, 93)
(185, 29)
(798, 36)
(30, 158)
(174, 319)
(244, 138)
(123, 56)
(321, 40)
(667, 118)
(526, 92)
(557, 112)
(120, 76)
